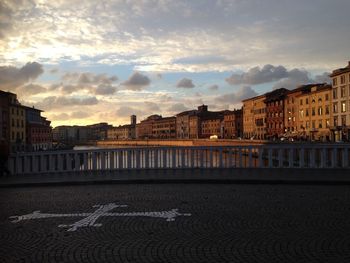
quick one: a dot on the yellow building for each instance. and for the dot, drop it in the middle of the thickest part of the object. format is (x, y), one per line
(314, 107)
(254, 117)
(341, 103)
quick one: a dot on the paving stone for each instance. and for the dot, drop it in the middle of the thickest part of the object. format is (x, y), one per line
(228, 223)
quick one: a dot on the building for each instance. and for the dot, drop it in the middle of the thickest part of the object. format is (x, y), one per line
(275, 110)
(13, 126)
(183, 124)
(291, 111)
(144, 128)
(212, 126)
(340, 124)
(123, 132)
(164, 128)
(233, 124)
(5, 116)
(38, 130)
(254, 117)
(314, 106)
(98, 131)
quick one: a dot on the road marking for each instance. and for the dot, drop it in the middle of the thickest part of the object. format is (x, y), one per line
(90, 219)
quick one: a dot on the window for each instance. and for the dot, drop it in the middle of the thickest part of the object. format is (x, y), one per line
(301, 113)
(343, 120)
(313, 124)
(327, 109)
(342, 79)
(327, 123)
(335, 93)
(335, 81)
(319, 110)
(342, 92)
(307, 112)
(307, 124)
(335, 107)
(320, 124)
(327, 97)
(313, 111)
(335, 121)
(343, 106)
(306, 101)
(301, 101)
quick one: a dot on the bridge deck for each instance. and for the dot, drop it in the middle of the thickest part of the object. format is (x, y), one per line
(237, 175)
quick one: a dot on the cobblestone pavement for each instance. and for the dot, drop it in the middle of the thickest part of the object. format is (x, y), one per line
(228, 223)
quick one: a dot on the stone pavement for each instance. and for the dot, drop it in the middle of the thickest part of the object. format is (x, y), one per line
(236, 175)
(227, 223)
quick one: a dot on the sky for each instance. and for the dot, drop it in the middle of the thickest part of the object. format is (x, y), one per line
(85, 62)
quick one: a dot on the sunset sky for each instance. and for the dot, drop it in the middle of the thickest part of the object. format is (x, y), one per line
(84, 62)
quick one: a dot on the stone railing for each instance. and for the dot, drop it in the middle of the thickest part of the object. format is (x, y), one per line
(257, 156)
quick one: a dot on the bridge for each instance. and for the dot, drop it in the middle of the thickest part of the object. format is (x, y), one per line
(203, 157)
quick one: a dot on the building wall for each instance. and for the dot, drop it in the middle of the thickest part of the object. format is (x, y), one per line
(315, 113)
(341, 103)
(291, 113)
(211, 127)
(164, 128)
(17, 127)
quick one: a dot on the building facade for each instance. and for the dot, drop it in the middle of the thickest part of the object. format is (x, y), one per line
(233, 124)
(144, 128)
(275, 110)
(164, 128)
(341, 103)
(314, 106)
(38, 130)
(183, 124)
(254, 118)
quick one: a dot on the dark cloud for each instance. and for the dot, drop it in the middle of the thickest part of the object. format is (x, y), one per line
(236, 97)
(152, 107)
(258, 75)
(296, 77)
(185, 83)
(177, 108)
(98, 84)
(105, 89)
(30, 89)
(12, 77)
(323, 78)
(125, 111)
(136, 81)
(58, 102)
(79, 114)
(288, 79)
(214, 87)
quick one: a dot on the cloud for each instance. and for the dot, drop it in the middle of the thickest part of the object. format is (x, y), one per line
(105, 89)
(257, 75)
(12, 77)
(323, 78)
(185, 83)
(236, 97)
(177, 108)
(214, 87)
(79, 114)
(54, 102)
(136, 81)
(30, 89)
(152, 107)
(98, 84)
(74, 115)
(282, 77)
(125, 111)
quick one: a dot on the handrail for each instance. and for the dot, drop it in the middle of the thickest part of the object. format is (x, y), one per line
(174, 157)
